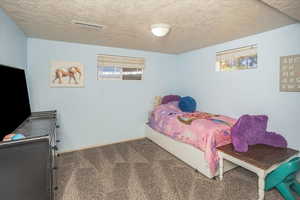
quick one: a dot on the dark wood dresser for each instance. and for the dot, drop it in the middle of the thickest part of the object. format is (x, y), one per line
(27, 166)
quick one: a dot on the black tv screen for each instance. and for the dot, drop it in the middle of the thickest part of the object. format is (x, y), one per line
(15, 107)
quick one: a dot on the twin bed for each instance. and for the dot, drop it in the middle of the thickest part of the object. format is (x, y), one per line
(191, 137)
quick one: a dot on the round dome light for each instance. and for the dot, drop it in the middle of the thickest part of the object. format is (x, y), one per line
(160, 30)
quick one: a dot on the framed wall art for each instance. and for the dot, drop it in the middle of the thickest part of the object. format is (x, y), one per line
(66, 74)
(290, 73)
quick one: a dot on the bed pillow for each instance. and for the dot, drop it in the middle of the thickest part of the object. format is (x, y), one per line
(170, 98)
(187, 104)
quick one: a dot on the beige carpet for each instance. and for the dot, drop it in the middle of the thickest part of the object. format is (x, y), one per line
(141, 170)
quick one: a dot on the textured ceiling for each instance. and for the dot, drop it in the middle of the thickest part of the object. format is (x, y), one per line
(195, 23)
(288, 7)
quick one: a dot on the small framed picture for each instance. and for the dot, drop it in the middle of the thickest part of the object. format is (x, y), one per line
(66, 74)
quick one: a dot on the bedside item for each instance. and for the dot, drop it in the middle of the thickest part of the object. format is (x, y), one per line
(260, 159)
(187, 104)
(251, 130)
(284, 179)
(170, 98)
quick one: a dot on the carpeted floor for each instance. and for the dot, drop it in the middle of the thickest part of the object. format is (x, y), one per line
(141, 170)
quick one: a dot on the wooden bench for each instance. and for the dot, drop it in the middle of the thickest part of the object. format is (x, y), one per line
(260, 159)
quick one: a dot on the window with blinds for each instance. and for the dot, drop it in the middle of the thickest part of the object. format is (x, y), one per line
(120, 67)
(237, 59)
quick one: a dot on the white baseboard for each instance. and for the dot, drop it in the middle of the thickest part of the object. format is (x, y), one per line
(99, 145)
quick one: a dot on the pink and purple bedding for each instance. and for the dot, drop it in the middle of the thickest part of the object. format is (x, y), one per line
(204, 131)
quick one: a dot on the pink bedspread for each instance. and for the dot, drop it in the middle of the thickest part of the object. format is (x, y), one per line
(204, 131)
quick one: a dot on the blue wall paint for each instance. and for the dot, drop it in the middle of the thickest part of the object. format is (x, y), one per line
(111, 111)
(104, 111)
(12, 43)
(250, 91)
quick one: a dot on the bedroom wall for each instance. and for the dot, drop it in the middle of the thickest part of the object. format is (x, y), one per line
(12, 43)
(102, 112)
(250, 91)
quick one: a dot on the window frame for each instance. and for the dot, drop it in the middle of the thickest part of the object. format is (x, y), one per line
(116, 62)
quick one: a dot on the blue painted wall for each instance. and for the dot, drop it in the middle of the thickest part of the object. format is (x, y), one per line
(250, 91)
(110, 111)
(12, 43)
(102, 112)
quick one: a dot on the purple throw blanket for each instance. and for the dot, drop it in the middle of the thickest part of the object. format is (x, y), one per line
(250, 130)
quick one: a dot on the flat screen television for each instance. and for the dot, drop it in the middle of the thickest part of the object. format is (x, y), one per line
(15, 106)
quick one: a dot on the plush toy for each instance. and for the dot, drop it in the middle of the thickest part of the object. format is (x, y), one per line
(250, 130)
(169, 98)
(13, 136)
(187, 104)
(8, 137)
(18, 136)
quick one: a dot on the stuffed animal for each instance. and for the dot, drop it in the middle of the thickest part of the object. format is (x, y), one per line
(169, 98)
(250, 130)
(18, 136)
(8, 137)
(13, 136)
(187, 104)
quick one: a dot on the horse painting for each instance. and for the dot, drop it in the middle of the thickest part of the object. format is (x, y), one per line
(74, 73)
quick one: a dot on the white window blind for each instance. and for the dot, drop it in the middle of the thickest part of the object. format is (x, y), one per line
(234, 53)
(120, 67)
(237, 59)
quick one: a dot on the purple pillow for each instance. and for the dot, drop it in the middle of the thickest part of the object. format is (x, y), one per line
(170, 98)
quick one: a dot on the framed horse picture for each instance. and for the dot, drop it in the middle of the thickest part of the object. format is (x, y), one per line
(66, 74)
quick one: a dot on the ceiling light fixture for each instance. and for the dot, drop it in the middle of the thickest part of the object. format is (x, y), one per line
(160, 30)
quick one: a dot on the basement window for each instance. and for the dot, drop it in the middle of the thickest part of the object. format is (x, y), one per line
(119, 68)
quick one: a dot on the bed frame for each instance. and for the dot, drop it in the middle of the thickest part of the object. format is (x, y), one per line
(185, 152)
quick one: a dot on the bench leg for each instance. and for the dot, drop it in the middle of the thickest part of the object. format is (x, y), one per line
(221, 167)
(285, 191)
(261, 187)
(296, 187)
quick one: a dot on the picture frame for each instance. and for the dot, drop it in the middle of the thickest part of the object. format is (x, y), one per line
(289, 80)
(67, 74)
